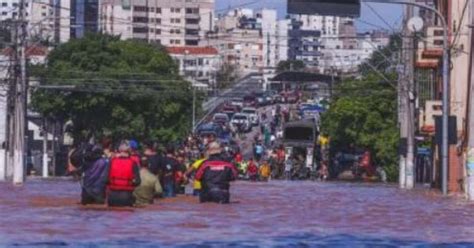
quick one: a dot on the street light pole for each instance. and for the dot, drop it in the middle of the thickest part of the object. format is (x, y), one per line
(446, 85)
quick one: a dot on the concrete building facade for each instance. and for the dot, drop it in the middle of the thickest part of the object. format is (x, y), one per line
(46, 21)
(166, 22)
(197, 63)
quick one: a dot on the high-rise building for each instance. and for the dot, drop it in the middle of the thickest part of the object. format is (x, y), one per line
(47, 21)
(251, 41)
(167, 22)
(84, 17)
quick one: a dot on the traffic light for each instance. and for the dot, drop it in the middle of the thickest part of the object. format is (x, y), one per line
(343, 8)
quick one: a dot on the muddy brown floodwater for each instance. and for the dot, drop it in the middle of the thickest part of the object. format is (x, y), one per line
(278, 213)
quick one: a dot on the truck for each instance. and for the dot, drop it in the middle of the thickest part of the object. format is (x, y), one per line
(299, 140)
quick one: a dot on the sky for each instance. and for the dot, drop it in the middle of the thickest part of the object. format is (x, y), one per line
(380, 16)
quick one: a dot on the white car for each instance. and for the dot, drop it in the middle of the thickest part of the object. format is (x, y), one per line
(238, 102)
(241, 122)
(253, 115)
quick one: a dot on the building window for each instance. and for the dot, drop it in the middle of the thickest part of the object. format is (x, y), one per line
(152, 9)
(4, 13)
(15, 4)
(192, 32)
(158, 31)
(140, 19)
(192, 21)
(158, 20)
(191, 42)
(175, 10)
(4, 4)
(140, 8)
(140, 29)
(158, 10)
(175, 20)
(192, 10)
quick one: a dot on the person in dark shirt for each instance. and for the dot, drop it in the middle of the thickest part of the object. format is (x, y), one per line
(215, 175)
(153, 158)
(94, 176)
(168, 168)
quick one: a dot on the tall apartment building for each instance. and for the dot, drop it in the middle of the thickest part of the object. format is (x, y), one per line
(275, 38)
(252, 41)
(84, 17)
(304, 43)
(46, 21)
(166, 22)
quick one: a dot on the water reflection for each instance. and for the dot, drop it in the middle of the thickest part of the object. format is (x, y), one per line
(46, 213)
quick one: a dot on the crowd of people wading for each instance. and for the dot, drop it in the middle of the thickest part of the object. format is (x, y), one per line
(129, 174)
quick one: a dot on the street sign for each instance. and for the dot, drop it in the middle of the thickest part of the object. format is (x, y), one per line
(343, 8)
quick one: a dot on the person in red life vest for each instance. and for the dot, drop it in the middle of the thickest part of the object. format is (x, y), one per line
(215, 175)
(252, 170)
(123, 177)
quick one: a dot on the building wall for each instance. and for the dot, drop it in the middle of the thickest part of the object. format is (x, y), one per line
(167, 22)
(460, 61)
(202, 68)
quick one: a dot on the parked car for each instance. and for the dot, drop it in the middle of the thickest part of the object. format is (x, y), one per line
(221, 119)
(261, 99)
(230, 110)
(238, 102)
(252, 114)
(241, 122)
(250, 101)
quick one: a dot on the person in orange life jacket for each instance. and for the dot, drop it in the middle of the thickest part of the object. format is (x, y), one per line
(215, 175)
(134, 154)
(123, 177)
(168, 169)
(252, 170)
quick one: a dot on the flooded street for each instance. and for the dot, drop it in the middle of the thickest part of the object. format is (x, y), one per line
(277, 213)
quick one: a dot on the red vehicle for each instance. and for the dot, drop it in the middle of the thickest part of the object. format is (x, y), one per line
(290, 97)
(230, 110)
(250, 101)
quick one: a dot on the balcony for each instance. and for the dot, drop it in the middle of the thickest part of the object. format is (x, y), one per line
(192, 26)
(192, 16)
(311, 43)
(191, 37)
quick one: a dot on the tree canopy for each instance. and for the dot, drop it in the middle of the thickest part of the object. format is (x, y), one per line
(364, 115)
(121, 89)
(290, 65)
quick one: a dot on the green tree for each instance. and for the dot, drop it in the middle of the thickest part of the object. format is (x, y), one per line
(122, 89)
(379, 61)
(290, 65)
(364, 114)
(226, 76)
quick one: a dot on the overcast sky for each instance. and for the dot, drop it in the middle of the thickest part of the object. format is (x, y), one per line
(369, 20)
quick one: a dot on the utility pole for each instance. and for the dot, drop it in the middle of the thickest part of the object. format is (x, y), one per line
(470, 121)
(45, 149)
(403, 115)
(410, 98)
(19, 114)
